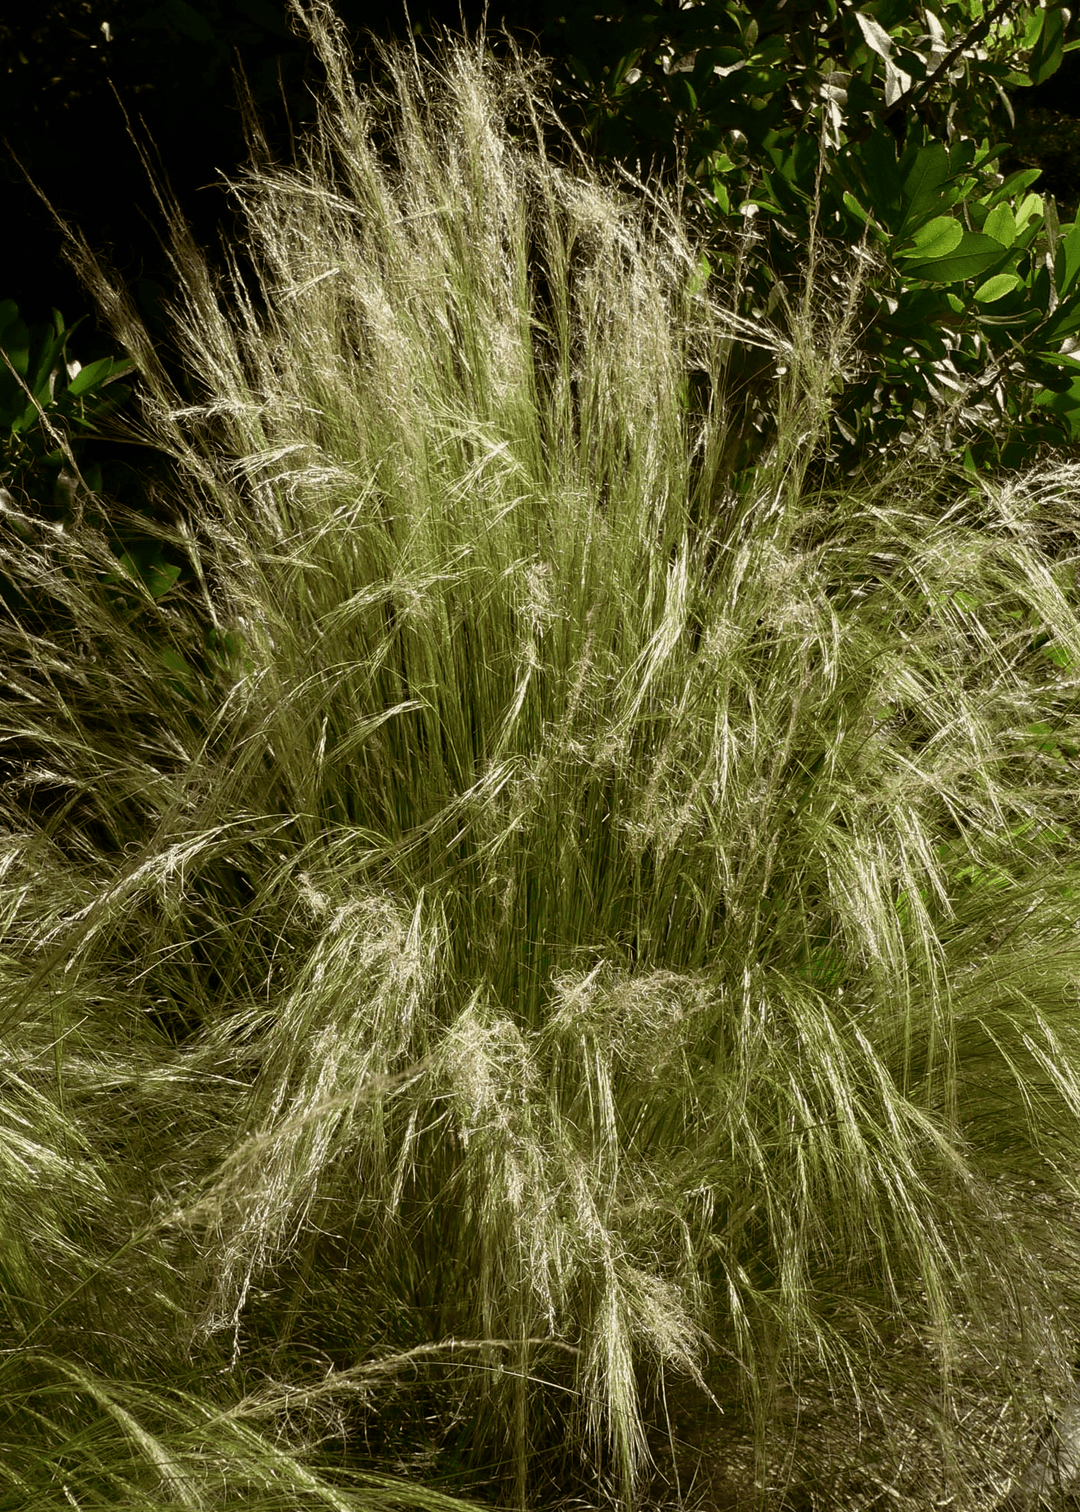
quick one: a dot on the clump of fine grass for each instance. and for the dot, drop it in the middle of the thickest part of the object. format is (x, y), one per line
(524, 924)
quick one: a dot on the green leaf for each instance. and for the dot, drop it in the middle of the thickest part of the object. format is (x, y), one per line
(1067, 262)
(997, 287)
(683, 84)
(97, 374)
(969, 257)
(159, 577)
(1065, 321)
(1067, 405)
(874, 35)
(897, 82)
(870, 171)
(857, 210)
(27, 418)
(617, 82)
(1033, 25)
(937, 238)
(174, 661)
(1016, 183)
(46, 365)
(924, 183)
(1047, 52)
(1029, 206)
(1044, 734)
(155, 575)
(9, 313)
(720, 195)
(701, 275)
(1053, 225)
(1001, 225)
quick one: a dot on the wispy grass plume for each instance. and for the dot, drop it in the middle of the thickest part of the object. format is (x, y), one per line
(528, 919)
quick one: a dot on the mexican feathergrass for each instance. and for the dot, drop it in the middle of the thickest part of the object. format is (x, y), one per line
(531, 941)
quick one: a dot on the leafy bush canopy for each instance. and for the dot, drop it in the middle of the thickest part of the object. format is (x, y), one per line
(814, 127)
(48, 401)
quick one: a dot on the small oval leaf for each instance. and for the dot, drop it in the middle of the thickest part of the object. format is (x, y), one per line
(159, 578)
(937, 238)
(1001, 224)
(94, 374)
(997, 287)
(874, 35)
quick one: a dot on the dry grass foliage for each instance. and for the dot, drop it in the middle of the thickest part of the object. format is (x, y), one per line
(532, 942)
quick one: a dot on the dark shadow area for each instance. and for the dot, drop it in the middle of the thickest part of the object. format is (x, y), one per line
(72, 68)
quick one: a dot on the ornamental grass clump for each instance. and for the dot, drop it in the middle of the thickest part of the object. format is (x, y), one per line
(532, 956)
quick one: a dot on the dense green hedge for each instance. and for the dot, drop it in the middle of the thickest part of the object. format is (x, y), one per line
(809, 129)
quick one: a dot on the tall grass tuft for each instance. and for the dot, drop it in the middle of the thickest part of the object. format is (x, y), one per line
(534, 953)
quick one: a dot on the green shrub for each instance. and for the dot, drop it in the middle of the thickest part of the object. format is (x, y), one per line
(802, 125)
(49, 402)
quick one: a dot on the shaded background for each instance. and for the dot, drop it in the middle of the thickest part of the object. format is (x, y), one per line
(172, 61)
(171, 64)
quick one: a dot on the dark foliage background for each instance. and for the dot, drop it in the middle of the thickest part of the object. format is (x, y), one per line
(72, 68)
(171, 64)
(79, 75)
